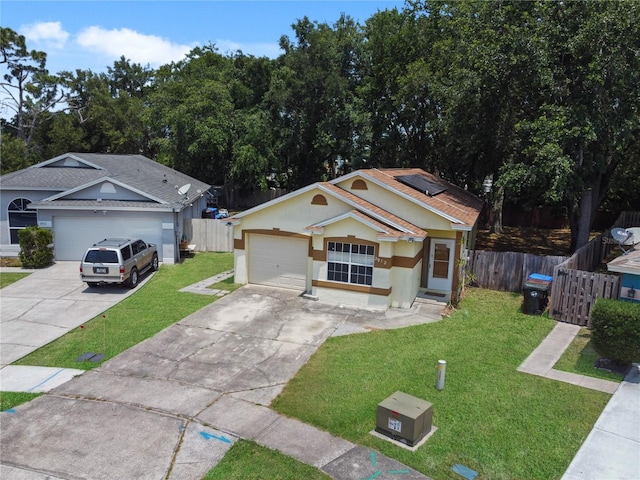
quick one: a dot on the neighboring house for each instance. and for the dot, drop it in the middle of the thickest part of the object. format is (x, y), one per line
(86, 197)
(372, 238)
(629, 266)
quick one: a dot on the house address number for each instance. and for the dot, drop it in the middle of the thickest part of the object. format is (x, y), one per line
(381, 261)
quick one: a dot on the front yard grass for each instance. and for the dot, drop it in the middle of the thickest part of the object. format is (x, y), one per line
(9, 400)
(153, 307)
(580, 357)
(491, 418)
(247, 460)
(7, 278)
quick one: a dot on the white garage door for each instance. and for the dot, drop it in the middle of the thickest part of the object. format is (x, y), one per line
(278, 261)
(72, 235)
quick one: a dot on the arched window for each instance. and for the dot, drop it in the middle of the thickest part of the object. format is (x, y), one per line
(20, 217)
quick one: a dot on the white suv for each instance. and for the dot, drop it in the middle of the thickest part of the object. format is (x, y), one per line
(118, 260)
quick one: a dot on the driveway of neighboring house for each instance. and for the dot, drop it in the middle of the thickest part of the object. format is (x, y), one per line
(171, 406)
(47, 304)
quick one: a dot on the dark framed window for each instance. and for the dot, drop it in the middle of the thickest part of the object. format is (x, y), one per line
(20, 217)
(350, 263)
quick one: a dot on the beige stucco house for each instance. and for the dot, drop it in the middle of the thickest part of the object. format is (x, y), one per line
(374, 238)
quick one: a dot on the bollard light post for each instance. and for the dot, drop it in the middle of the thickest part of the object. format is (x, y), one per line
(442, 369)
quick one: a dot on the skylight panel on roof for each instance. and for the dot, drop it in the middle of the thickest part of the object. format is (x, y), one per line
(422, 184)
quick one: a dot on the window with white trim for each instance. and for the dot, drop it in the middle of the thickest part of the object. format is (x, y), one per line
(350, 263)
(20, 217)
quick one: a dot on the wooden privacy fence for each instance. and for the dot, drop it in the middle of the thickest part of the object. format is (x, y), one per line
(576, 287)
(507, 271)
(574, 292)
(209, 235)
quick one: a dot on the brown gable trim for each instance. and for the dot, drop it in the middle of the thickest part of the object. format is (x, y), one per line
(385, 292)
(240, 243)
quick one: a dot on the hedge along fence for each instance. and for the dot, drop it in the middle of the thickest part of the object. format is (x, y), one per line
(507, 271)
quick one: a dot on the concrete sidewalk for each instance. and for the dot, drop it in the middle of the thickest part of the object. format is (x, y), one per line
(612, 450)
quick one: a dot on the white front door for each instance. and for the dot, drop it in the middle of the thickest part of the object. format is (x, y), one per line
(441, 259)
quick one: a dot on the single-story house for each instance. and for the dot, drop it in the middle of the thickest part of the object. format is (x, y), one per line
(86, 197)
(629, 266)
(373, 238)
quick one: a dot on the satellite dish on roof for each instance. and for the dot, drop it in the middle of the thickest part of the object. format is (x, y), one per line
(184, 189)
(620, 235)
(626, 237)
(634, 237)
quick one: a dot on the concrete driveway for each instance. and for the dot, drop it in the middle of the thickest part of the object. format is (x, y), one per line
(46, 305)
(172, 406)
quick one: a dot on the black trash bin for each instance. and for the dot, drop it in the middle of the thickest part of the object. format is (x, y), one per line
(536, 293)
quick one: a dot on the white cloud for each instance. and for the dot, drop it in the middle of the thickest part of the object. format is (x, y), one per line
(48, 34)
(270, 50)
(137, 47)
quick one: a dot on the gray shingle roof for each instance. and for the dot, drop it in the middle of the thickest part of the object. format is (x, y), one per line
(135, 171)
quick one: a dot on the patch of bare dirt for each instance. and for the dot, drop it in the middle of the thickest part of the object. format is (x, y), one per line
(537, 241)
(9, 262)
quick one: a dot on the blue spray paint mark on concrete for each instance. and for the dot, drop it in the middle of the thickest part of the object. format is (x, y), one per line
(46, 380)
(11, 410)
(208, 436)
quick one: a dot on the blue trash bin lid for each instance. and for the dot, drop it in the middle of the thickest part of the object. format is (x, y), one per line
(539, 276)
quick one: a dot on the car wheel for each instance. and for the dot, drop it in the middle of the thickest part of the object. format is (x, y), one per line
(133, 278)
(154, 262)
(93, 284)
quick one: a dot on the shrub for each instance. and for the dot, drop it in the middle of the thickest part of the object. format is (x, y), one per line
(36, 249)
(615, 329)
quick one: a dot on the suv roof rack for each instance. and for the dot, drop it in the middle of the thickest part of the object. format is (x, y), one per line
(112, 242)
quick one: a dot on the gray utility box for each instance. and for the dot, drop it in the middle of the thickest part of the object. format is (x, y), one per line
(404, 418)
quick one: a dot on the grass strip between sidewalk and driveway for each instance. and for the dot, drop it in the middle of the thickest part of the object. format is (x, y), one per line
(501, 423)
(247, 460)
(7, 278)
(8, 400)
(153, 307)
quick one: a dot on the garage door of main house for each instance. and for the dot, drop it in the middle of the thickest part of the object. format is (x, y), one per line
(278, 261)
(72, 235)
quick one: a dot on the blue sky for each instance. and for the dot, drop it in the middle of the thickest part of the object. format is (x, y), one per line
(91, 35)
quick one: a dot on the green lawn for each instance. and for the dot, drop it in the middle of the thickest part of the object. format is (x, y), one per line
(247, 460)
(580, 358)
(7, 278)
(153, 307)
(491, 418)
(9, 400)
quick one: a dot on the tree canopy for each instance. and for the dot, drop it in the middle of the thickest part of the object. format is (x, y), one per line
(540, 97)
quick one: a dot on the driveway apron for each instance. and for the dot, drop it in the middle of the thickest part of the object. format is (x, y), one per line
(158, 409)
